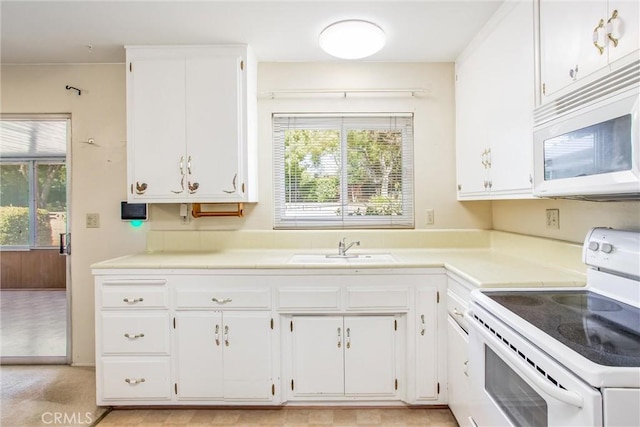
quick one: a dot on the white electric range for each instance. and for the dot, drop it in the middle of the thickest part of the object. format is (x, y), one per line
(562, 357)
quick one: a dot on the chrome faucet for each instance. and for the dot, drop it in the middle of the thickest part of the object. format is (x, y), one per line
(343, 247)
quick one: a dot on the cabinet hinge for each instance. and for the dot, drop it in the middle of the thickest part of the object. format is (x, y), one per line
(544, 88)
(273, 389)
(438, 388)
(438, 297)
(242, 65)
(174, 323)
(271, 323)
(291, 326)
(130, 67)
(396, 385)
(175, 387)
(395, 325)
(291, 384)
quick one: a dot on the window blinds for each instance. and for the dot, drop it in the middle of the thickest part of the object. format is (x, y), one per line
(347, 171)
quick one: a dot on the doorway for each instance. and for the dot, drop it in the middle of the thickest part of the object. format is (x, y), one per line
(34, 261)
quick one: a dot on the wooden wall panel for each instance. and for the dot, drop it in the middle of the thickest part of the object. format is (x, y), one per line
(34, 269)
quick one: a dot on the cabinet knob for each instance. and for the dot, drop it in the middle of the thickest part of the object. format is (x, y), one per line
(193, 187)
(459, 187)
(140, 187)
(573, 73)
(597, 33)
(613, 28)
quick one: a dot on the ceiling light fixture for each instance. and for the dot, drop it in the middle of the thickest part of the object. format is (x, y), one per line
(352, 39)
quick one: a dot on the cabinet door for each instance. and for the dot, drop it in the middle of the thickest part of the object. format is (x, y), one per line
(426, 344)
(369, 349)
(247, 355)
(471, 128)
(199, 345)
(156, 128)
(625, 28)
(457, 375)
(214, 128)
(318, 355)
(567, 42)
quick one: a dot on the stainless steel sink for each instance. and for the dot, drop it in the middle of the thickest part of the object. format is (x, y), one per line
(334, 259)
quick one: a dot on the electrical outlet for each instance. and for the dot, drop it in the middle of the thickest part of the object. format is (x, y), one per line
(93, 220)
(553, 219)
(430, 216)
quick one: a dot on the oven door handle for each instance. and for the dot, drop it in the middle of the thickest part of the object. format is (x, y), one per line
(565, 396)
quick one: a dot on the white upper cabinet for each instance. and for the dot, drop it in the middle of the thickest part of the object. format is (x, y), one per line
(494, 108)
(580, 39)
(191, 124)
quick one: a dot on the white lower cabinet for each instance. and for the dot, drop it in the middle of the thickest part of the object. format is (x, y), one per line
(223, 355)
(343, 356)
(457, 372)
(266, 337)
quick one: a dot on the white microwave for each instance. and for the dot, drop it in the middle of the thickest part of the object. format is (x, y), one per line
(591, 152)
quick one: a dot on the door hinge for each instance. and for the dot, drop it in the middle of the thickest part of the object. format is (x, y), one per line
(438, 297)
(272, 323)
(175, 387)
(396, 384)
(395, 324)
(130, 67)
(291, 384)
(438, 388)
(242, 65)
(291, 326)
(544, 88)
(273, 389)
(174, 323)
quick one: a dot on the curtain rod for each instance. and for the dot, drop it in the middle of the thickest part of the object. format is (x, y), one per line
(344, 93)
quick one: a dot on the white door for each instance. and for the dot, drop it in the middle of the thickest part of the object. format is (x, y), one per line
(369, 355)
(318, 367)
(199, 349)
(156, 129)
(247, 355)
(214, 128)
(426, 345)
(567, 41)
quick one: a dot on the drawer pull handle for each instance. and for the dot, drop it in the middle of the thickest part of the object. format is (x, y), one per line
(348, 337)
(457, 313)
(134, 336)
(221, 301)
(133, 300)
(424, 328)
(466, 368)
(133, 381)
(226, 336)
(339, 337)
(217, 334)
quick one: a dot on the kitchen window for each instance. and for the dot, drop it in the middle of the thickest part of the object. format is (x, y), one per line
(343, 171)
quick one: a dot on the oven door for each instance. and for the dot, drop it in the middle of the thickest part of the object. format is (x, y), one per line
(516, 384)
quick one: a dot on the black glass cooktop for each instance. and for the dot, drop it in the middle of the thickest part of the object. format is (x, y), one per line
(601, 329)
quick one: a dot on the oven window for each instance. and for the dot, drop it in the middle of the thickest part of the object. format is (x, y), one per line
(519, 402)
(601, 148)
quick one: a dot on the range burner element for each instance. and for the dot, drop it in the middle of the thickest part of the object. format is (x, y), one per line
(583, 301)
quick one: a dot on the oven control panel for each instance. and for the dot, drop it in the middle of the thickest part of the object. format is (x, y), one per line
(613, 250)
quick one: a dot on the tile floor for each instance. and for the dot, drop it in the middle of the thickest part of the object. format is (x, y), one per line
(289, 417)
(34, 323)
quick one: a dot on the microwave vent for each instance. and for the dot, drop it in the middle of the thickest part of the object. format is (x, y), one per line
(613, 83)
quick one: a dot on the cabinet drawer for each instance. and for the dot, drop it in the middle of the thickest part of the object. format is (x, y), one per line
(224, 299)
(383, 299)
(135, 333)
(143, 378)
(309, 299)
(134, 294)
(457, 309)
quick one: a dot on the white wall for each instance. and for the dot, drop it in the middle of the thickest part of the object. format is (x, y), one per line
(98, 172)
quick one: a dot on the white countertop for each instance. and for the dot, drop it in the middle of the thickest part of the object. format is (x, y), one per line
(481, 267)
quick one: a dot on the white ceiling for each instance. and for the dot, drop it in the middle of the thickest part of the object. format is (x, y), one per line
(61, 31)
